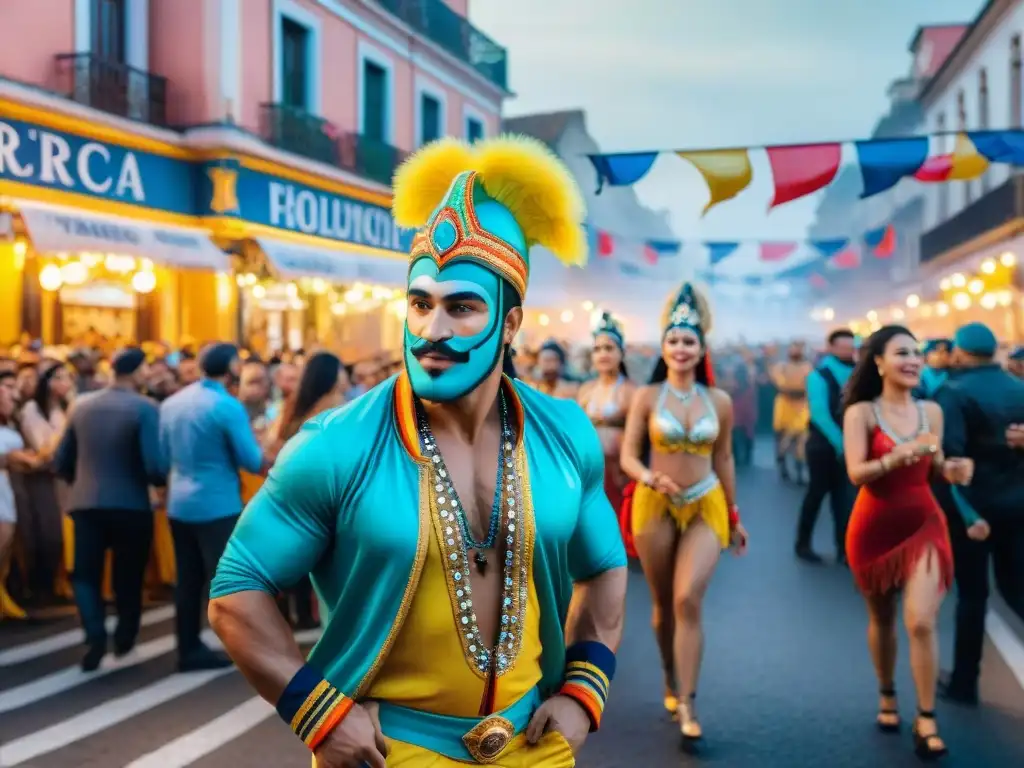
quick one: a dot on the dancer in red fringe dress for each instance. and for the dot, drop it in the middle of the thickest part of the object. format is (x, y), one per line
(606, 400)
(897, 541)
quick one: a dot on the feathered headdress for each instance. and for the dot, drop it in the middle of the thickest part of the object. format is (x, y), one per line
(687, 308)
(490, 201)
(608, 325)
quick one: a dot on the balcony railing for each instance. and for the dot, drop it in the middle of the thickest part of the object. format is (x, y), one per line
(297, 131)
(994, 209)
(113, 87)
(437, 22)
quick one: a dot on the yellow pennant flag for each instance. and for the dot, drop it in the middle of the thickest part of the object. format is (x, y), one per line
(727, 172)
(966, 161)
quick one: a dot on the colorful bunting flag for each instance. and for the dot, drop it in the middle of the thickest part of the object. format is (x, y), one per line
(719, 252)
(776, 252)
(818, 281)
(727, 172)
(605, 244)
(1000, 146)
(829, 248)
(962, 164)
(802, 170)
(623, 169)
(881, 241)
(846, 259)
(884, 162)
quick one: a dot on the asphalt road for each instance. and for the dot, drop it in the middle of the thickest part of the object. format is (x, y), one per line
(787, 683)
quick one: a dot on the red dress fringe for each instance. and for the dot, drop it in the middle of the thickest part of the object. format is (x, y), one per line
(625, 510)
(895, 522)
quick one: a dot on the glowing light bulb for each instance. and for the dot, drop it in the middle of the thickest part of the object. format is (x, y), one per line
(988, 266)
(588, 306)
(258, 292)
(74, 273)
(958, 280)
(988, 301)
(872, 316)
(898, 314)
(976, 287)
(292, 290)
(913, 301)
(1008, 259)
(945, 284)
(143, 282)
(20, 249)
(961, 301)
(50, 278)
(338, 308)
(942, 309)
(567, 316)
(544, 320)
(319, 286)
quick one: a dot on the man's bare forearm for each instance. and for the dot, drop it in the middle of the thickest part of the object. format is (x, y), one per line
(598, 609)
(258, 640)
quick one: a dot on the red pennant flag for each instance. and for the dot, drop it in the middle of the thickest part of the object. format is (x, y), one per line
(775, 252)
(818, 281)
(887, 247)
(801, 170)
(846, 259)
(650, 255)
(605, 244)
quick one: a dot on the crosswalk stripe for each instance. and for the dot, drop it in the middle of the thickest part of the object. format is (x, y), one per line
(72, 637)
(70, 677)
(98, 719)
(1008, 643)
(185, 750)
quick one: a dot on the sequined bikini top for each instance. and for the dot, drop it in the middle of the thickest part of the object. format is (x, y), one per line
(669, 436)
(607, 414)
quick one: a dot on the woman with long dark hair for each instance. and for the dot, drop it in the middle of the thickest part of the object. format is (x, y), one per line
(606, 400)
(897, 540)
(322, 386)
(684, 506)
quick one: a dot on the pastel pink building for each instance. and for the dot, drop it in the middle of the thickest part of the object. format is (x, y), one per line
(267, 129)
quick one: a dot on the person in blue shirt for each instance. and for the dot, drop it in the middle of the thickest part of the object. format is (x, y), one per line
(937, 361)
(1015, 362)
(825, 447)
(205, 440)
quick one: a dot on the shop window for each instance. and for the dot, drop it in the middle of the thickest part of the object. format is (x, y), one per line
(294, 64)
(474, 130)
(375, 104)
(1015, 83)
(430, 118)
(108, 30)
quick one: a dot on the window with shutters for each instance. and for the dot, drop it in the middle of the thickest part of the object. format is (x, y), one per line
(961, 125)
(108, 30)
(1015, 83)
(983, 117)
(294, 65)
(375, 106)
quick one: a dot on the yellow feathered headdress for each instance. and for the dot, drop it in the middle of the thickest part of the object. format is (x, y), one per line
(491, 201)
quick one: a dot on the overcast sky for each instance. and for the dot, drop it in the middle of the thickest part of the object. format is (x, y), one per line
(663, 74)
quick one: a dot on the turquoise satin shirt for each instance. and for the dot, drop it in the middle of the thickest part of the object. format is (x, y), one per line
(347, 503)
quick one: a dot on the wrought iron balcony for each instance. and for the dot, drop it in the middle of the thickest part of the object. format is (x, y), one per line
(371, 158)
(993, 210)
(440, 24)
(113, 87)
(297, 131)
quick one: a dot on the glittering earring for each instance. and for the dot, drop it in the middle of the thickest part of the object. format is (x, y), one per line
(881, 372)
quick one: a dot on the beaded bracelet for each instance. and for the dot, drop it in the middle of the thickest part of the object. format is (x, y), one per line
(312, 707)
(589, 669)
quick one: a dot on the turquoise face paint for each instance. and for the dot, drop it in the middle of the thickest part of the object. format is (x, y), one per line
(481, 352)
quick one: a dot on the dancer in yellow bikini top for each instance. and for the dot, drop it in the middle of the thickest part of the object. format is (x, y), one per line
(684, 506)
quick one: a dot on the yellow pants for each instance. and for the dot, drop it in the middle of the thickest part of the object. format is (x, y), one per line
(791, 416)
(552, 751)
(712, 508)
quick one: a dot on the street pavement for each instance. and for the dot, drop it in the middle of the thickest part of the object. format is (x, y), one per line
(787, 683)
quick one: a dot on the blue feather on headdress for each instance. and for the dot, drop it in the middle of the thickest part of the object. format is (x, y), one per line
(609, 326)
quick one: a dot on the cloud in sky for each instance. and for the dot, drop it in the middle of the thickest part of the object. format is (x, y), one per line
(710, 73)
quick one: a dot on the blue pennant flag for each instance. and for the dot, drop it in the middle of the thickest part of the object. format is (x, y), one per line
(829, 248)
(999, 146)
(884, 162)
(623, 169)
(664, 248)
(874, 237)
(719, 252)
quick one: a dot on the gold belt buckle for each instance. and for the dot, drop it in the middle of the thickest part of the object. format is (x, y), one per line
(489, 738)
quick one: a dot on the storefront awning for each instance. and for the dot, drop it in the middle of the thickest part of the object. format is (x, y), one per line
(56, 229)
(291, 262)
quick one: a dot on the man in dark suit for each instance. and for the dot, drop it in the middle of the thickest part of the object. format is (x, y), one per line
(110, 455)
(981, 403)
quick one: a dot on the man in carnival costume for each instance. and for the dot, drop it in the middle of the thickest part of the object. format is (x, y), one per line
(448, 516)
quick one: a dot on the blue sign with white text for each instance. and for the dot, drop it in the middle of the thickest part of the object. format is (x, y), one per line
(44, 157)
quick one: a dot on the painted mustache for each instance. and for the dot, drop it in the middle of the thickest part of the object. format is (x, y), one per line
(439, 349)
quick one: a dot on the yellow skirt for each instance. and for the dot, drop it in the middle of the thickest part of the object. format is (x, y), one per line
(552, 751)
(791, 416)
(711, 507)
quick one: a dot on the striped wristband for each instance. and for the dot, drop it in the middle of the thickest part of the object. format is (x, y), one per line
(589, 669)
(312, 707)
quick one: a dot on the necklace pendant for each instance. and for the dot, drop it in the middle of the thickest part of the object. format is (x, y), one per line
(480, 560)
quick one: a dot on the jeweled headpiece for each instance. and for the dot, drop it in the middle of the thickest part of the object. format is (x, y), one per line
(490, 202)
(687, 309)
(609, 326)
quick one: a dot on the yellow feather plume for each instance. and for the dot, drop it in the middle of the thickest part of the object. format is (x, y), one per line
(519, 172)
(422, 181)
(702, 306)
(526, 177)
